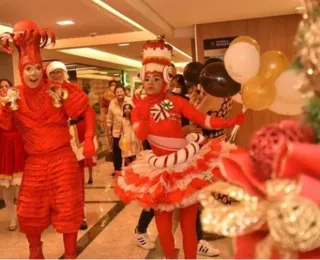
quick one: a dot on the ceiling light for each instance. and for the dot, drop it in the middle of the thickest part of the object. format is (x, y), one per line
(123, 44)
(300, 8)
(115, 74)
(103, 72)
(102, 56)
(67, 22)
(107, 7)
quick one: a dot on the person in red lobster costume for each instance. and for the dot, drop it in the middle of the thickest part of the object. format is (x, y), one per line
(169, 176)
(276, 184)
(51, 190)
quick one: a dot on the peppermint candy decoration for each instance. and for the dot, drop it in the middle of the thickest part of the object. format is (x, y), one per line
(160, 111)
(167, 104)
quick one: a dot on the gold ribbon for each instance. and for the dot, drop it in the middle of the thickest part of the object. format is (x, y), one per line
(293, 221)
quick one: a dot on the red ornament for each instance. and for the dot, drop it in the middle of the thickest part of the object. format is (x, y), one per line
(266, 142)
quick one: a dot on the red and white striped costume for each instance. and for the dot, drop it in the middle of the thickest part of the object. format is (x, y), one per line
(170, 175)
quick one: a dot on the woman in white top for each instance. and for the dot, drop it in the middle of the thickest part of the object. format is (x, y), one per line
(114, 124)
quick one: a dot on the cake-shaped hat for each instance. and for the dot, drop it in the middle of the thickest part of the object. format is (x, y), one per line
(157, 58)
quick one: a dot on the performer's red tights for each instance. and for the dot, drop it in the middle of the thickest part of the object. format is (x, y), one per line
(188, 227)
(70, 245)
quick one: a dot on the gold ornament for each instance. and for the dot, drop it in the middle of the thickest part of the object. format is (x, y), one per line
(11, 98)
(293, 221)
(307, 43)
(58, 94)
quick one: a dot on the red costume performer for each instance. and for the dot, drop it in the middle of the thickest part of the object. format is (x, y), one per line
(51, 190)
(169, 176)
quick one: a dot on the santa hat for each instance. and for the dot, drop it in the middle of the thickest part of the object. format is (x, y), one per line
(54, 66)
(157, 58)
(28, 39)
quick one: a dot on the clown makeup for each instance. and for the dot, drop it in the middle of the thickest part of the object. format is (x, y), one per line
(57, 75)
(32, 75)
(153, 83)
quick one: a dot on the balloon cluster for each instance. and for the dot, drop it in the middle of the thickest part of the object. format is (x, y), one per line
(267, 82)
(264, 81)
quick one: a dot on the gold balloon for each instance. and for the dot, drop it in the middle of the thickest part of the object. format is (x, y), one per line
(272, 64)
(258, 94)
(247, 39)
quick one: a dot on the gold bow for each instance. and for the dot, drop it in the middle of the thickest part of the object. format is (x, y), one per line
(293, 221)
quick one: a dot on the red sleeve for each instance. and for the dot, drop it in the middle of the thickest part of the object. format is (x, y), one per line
(141, 127)
(5, 118)
(76, 102)
(205, 121)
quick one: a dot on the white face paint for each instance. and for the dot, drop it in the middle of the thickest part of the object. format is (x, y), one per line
(32, 75)
(153, 83)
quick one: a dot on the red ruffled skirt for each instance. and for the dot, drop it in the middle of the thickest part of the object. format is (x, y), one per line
(12, 157)
(176, 186)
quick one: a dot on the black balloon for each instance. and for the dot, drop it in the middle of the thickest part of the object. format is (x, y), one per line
(211, 60)
(192, 72)
(216, 81)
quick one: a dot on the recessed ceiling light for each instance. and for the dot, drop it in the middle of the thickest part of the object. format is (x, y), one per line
(300, 8)
(103, 72)
(123, 44)
(115, 74)
(67, 22)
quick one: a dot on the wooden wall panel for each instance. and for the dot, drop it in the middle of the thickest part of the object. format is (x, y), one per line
(272, 33)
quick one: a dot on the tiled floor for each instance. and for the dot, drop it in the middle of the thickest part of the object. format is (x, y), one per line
(110, 233)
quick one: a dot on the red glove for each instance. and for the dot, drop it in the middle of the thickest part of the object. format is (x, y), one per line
(89, 150)
(237, 120)
(217, 122)
(142, 108)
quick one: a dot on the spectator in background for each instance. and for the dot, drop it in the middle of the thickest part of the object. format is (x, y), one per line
(108, 95)
(12, 161)
(128, 91)
(114, 124)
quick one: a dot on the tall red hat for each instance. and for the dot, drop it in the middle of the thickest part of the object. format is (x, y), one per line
(157, 58)
(28, 39)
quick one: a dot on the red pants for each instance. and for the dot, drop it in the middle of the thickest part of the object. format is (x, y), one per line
(188, 218)
(51, 193)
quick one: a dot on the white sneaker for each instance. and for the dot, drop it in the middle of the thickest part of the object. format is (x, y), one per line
(144, 241)
(205, 249)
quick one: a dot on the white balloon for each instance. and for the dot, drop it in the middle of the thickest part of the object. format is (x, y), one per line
(242, 61)
(289, 100)
(288, 85)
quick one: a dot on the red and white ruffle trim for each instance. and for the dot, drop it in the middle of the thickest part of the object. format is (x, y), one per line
(174, 186)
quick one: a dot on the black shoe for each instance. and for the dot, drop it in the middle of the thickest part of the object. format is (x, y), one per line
(83, 225)
(90, 181)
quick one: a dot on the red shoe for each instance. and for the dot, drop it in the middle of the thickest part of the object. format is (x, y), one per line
(36, 252)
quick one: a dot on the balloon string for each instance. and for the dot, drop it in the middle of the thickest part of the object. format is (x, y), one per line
(236, 127)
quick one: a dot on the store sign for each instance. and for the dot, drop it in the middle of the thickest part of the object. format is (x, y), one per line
(216, 48)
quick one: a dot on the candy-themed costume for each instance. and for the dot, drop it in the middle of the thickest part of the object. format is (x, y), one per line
(51, 190)
(276, 184)
(169, 176)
